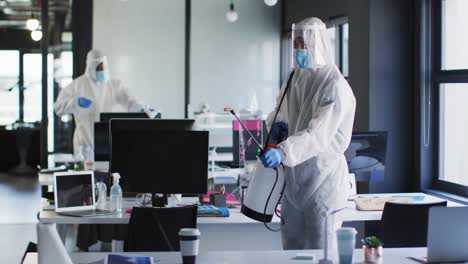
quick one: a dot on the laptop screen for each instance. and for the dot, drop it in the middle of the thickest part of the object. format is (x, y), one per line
(74, 190)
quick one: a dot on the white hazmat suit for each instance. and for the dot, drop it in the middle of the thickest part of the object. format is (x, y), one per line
(104, 95)
(319, 109)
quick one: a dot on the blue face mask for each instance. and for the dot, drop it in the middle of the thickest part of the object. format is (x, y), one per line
(100, 76)
(302, 58)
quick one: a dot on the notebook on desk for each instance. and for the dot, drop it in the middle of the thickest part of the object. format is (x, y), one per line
(212, 211)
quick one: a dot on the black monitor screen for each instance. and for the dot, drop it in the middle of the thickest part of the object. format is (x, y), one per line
(155, 161)
(74, 190)
(101, 141)
(106, 117)
(366, 156)
(102, 137)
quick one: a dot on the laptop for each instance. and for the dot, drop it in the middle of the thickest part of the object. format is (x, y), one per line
(447, 236)
(75, 194)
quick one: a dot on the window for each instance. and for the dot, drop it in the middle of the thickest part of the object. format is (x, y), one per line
(450, 81)
(345, 49)
(33, 85)
(9, 92)
(338, 30)
(453, 132)
(454, 37)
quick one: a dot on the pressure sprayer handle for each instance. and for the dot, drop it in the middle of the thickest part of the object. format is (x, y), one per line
(262, 148)
(227, 109)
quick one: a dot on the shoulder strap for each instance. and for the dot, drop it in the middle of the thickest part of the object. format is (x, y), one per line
(288, 84)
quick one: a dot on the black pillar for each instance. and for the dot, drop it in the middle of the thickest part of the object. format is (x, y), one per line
(45, 53)
(82, 30)
(21, 86)
(188, 17)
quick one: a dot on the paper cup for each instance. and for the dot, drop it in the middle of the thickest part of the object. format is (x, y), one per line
(346, 238)
(189, 244)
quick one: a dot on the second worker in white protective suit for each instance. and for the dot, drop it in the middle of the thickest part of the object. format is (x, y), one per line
(92, 93)
(317, 114)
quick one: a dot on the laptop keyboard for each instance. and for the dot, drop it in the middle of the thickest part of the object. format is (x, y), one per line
(85, 213)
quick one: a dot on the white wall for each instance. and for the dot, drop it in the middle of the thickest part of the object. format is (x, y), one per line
(144, 41)
(231, 61)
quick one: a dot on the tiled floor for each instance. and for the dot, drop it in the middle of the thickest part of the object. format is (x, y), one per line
(19, 205)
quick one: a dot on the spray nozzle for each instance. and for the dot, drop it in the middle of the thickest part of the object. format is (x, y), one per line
(229, 109)
(116, 176)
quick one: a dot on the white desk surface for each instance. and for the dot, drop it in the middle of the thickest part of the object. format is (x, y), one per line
(350, 214)
(236, 217)
(391, 255)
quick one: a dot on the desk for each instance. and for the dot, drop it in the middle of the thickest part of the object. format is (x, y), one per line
(392, 256)
(232, 229)
(350, 214)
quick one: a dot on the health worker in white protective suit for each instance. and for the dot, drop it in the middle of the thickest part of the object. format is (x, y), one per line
(92, 93)
(318, 114)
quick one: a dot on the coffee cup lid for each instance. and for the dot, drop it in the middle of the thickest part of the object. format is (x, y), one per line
(189, 232)
(346, 230)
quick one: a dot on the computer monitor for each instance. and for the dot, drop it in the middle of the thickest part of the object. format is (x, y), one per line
(101, 132)
(151, 160)
(101, 141)
(366, 156)
(107, 116)
(151, 124)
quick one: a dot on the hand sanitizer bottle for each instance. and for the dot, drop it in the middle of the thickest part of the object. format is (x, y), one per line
(116, 195)
(101, 190)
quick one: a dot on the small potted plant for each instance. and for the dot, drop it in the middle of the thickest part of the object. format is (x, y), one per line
(373, 250)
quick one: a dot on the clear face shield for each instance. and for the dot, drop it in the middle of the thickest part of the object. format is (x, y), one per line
(311, 46)
(98, 69)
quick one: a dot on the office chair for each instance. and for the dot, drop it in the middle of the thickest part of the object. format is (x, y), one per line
(157, 229)
(32, 247)
(405, 225)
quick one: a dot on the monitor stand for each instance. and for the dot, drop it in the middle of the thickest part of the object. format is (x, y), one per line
(159, 201)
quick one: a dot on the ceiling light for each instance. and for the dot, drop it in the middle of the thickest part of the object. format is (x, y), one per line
(32, 24)
(232, 15)
(36, 35)
(271, 2)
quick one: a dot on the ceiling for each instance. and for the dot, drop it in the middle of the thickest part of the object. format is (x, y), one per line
(14, 13)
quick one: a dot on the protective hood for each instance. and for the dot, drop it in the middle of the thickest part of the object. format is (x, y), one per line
(93, 59)
(311, 44)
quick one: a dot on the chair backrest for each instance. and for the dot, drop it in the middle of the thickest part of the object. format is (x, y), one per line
(32, 248)
(157, 229)
(405, 225)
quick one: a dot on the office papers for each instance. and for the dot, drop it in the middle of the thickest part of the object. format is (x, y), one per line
(127, 259)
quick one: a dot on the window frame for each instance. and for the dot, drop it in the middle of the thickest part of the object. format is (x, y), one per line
(338, 23)
(17, 85)
(440, 77)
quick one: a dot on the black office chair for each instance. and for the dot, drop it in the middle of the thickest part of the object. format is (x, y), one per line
(32, 248)
(157, 229)
(405, 225)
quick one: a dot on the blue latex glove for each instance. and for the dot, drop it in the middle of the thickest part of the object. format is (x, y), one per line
(279, 131)
(272, 158)
(149, 109)
(84, 102)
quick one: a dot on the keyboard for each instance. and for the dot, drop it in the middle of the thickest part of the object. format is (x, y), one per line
(87, 213)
